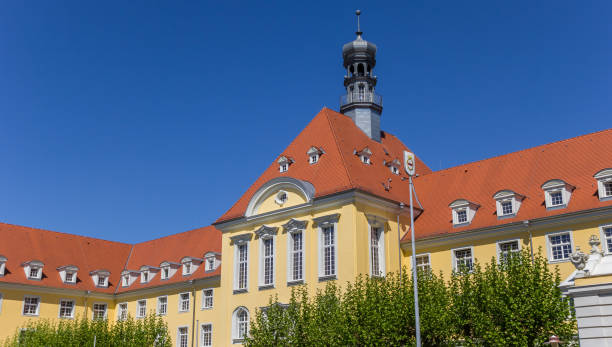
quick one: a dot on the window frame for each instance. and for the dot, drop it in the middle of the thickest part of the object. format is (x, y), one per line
(178, 335)
(604, 239)
(380, 250)
(290, 256)
(499, 250)
(236, 338)
(420, 255)
(549, 246)
(138, 308)
(158, 305)
(237, 263)
(38, 269)
(204, 306)
(37, 313)
(321, 242)
(59, 313)
(180, 302)
(262, 261)
(120, 311)
(93, 310)
(454, 257)
(202, 334)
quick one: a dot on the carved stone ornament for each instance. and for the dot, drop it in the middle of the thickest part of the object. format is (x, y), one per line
(594, 242)
(579, 259)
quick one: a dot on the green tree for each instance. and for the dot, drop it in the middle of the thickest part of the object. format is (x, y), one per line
(515, 303)
(149, 331)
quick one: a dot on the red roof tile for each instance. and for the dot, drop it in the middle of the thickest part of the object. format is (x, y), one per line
(574, 161)
(339, 169)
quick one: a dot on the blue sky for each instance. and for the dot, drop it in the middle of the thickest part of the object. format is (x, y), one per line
(134, 120)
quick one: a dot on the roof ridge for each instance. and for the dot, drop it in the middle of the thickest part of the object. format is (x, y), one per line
(64, 233)
(179, 233)
(124, 268)
(519, 151)
(344, 162)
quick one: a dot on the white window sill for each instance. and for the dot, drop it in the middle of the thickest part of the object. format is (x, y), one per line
(327, 278)
(240, 291)
(295, 283)
(558, 261)
(237, 341)
(266, 286)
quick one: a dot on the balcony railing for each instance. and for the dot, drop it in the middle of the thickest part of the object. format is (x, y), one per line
(361, 97)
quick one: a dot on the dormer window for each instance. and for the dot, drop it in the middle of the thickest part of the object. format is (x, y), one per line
(508, 203)
(125, 280)
(394, 166)
(100, 278)
(283, 163)
(168, 269)
(463, 212)
(557, 193)
(147, 273)
(2, 265)
(145, 277)
(364, 155)
(461, 216)
(165, 273)
(128, 277)
(314, 154)
(210, 261)
(604, 184)
(33, 269)
(190, 265)
(68, 273)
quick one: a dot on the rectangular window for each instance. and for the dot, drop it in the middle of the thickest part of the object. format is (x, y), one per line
(463, 259)
(556, 198)
(607, 233)
(162, 305)
(30, 305)
(187, 268)
(99, 311)
(607, 189)
(206, 335)
(101, 281)
(207, 298)
(122, 311)
(165, 273)
(34, 272)
(184, 302)
(506, 207)
(66, 308)
(141, 309)
(210, 264)
(329, 251)
(461, 216)
(268, 261)
(183, 337)
(376, 255)
(507, 249)
(422, 262)
(560, 246)
(145, 277)
(296, 248)
(69, 277)
(242, 266)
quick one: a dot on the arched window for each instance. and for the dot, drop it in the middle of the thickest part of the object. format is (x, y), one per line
(240, 324)
(361, 92)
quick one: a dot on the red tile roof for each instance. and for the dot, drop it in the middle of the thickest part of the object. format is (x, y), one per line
(194, 243)
(339, 169)
(21, 244)
(574, 161)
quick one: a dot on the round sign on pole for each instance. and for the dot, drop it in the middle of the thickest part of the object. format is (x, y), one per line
(409, 163)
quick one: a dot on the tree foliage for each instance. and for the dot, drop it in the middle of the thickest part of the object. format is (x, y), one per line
(149, 331)
(515, 303)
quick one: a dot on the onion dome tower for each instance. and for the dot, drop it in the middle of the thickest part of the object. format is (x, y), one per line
(361, 103)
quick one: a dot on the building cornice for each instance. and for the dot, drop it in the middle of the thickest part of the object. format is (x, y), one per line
(510, 228)
(55, 290)
(172, 286)
(316, 205)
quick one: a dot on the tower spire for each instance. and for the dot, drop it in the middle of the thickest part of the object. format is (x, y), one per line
(361, 103)
(358, 32)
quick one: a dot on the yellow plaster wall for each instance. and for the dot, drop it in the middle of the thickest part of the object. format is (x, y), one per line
(294, 197)
(484, 249)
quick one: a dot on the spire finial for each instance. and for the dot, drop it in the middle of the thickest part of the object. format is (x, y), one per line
(358, 32)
